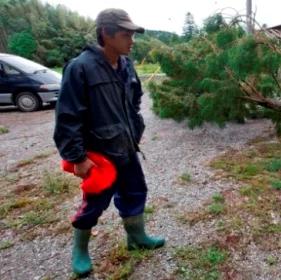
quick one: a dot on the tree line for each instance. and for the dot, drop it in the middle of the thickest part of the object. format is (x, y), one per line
(47, 34)
(52, 35)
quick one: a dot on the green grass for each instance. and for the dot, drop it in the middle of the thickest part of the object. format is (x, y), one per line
(121, 262)
(37, 209)
(12, 204)
(142, 69)
(34, 218)
(58, 69)
(217, 197)
(56, 183)
(271, 260)
(148, 68)
(274, 165)
(149, 209)
(200, 263)
(216, 208)
(276, 185)
(185, 178)
(5, 244)
(33, 160)
(3, 129)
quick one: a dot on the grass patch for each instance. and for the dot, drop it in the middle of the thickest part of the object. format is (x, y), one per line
(32, 214)
(271, 260)
(5, 244)
(216, 208)
(256, 212)
(11, 177)
(218, 198)
(185, 178)
(273, 165)
(148, 68)
(3, 130)
(57, 69)
(245, 215)
(276, 185)
(56, 183)
(149, 210)
(34, 218)
(120, 263)
(32, 160)
(200, 263)
(208, 211)
(12, 204)
(24, 162)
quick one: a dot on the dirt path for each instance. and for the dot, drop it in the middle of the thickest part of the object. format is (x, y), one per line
(172, 150)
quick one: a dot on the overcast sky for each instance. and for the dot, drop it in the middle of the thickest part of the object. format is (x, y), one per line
(169, 15)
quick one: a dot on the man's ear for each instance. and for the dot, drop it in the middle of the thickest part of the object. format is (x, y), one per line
(104, 34)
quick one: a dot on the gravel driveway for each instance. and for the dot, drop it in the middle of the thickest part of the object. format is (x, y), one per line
(171, 150)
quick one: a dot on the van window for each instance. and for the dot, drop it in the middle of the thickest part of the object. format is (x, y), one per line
(24, 65)
(9, 70)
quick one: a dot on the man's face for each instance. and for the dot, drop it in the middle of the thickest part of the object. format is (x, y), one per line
(121, 42)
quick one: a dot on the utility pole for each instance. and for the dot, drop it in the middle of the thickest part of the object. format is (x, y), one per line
(249, 19)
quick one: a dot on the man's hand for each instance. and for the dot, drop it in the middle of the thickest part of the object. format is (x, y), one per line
(82, 169)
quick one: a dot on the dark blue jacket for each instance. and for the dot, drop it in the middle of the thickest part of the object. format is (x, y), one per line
(98, 108)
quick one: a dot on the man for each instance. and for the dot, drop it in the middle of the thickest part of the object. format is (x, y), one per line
(99, 110)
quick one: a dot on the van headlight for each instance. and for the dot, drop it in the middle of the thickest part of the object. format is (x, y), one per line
(49, 87)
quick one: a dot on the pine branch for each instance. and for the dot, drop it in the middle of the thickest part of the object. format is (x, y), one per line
(276, 81)
(265, 102)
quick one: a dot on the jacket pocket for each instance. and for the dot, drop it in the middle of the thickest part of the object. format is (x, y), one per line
(111, 140)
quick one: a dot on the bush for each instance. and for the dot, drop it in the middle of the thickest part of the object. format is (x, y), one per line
(22, 43)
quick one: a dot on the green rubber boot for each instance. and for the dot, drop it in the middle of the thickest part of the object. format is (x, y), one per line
(136, 236)
(81, 261)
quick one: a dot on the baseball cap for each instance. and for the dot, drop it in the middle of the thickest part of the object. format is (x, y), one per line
(117, 17)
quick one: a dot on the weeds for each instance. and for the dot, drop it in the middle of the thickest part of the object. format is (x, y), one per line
(5, 244)
(56, 183)
(32, 160)
(33, 218)
(3, 129)
(149, 209)
(273, 165)
(120, 262)
(276, 185)
(199, 263)
(217, 206)
(185, 178)
(8, 206)
(218, 198)
(39, 207)
(271, 260)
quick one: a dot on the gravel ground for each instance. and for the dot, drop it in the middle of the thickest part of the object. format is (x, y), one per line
(171, 150)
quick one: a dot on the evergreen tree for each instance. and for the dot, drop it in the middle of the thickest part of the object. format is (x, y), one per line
(222, 76)
(189, 28)
(214, 23)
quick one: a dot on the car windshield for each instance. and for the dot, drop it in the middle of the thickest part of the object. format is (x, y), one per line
(23, 64)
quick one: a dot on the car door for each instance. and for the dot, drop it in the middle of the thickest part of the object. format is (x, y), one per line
(10, 80)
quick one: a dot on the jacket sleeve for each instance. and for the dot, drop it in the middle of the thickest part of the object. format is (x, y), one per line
(137, 94)
(71, 114)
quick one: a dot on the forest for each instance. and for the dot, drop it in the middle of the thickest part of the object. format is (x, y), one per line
(52, 35)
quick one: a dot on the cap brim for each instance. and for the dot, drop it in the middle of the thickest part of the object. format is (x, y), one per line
(131, 26)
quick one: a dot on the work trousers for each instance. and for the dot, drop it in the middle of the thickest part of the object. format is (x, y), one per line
(129, 192)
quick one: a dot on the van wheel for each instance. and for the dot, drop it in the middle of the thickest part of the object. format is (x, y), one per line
(28, 102)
